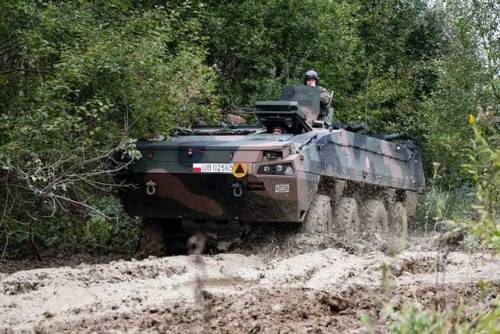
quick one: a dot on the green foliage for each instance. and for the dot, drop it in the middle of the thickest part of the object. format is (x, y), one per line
(484, 167)
(439, 204)
(95, 80)
(260, 46)
(466, 84)
(79, 78)
(415, 318)
(111, 229)
(107, 230)
(396, 66)
(469, 212)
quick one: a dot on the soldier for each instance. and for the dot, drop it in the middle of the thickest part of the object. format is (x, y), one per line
(278, 130)
(311, 78)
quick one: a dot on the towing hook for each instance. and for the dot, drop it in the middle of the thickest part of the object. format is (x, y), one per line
(151, 187)
(237, 189)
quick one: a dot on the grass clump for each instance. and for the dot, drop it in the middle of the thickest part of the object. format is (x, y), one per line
(415, 319)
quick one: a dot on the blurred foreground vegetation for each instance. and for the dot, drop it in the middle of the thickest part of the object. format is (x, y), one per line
(416, 319)
(80, 77)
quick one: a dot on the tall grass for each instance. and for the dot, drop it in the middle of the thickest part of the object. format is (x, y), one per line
(415, 319)
(469, 213)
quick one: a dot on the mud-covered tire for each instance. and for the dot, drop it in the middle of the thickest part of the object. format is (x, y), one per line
(158, 236)
(410, 204)
(319, 216)
(153, 238)
(346, 218)
(375, 221)
(398, 226)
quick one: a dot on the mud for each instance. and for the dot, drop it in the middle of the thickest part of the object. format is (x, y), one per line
(313, 289)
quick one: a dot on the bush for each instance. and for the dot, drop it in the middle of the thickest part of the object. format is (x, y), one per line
(415, 319)
(484, 168)
(109, 229)
(439, 204)
(77, 78)
(468, 213)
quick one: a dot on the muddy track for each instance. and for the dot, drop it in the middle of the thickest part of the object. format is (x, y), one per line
(320, 290)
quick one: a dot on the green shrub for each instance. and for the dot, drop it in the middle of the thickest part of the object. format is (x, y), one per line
(415, 319)
(484, 168)
(78, 78)
(111, 229)
(440, 204)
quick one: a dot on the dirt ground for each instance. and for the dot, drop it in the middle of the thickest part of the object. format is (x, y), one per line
(280, 286)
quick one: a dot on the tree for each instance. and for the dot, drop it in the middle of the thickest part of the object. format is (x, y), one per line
(78, 78)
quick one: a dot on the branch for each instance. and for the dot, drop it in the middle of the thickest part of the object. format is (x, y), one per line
(81, 204)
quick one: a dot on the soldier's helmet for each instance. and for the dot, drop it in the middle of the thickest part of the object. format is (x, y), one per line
(311, 74)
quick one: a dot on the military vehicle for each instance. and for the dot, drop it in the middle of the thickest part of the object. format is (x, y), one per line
(295, 168)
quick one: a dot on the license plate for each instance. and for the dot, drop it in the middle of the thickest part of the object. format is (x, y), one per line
(213, 168)
(282, 188)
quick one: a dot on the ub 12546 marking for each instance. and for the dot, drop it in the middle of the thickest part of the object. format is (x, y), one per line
(213, 168)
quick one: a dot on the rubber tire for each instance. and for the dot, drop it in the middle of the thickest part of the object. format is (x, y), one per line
(398, 226)
(153, 238)
(347, 222)
(375, 216)
(410, 203)
(319, 217)
(158, 236)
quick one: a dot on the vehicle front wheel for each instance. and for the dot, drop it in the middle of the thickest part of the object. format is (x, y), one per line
(156, 239)
(319, 216)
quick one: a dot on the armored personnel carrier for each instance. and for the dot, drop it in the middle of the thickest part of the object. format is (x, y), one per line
(296, 168)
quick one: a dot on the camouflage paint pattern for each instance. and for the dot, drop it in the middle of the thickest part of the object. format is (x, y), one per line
(166, 185)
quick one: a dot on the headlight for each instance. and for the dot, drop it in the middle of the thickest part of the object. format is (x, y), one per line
(279, 169)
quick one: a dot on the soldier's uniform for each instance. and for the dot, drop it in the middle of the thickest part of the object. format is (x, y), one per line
(324, 96)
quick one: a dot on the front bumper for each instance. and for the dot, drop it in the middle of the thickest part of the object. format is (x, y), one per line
(268, 198)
